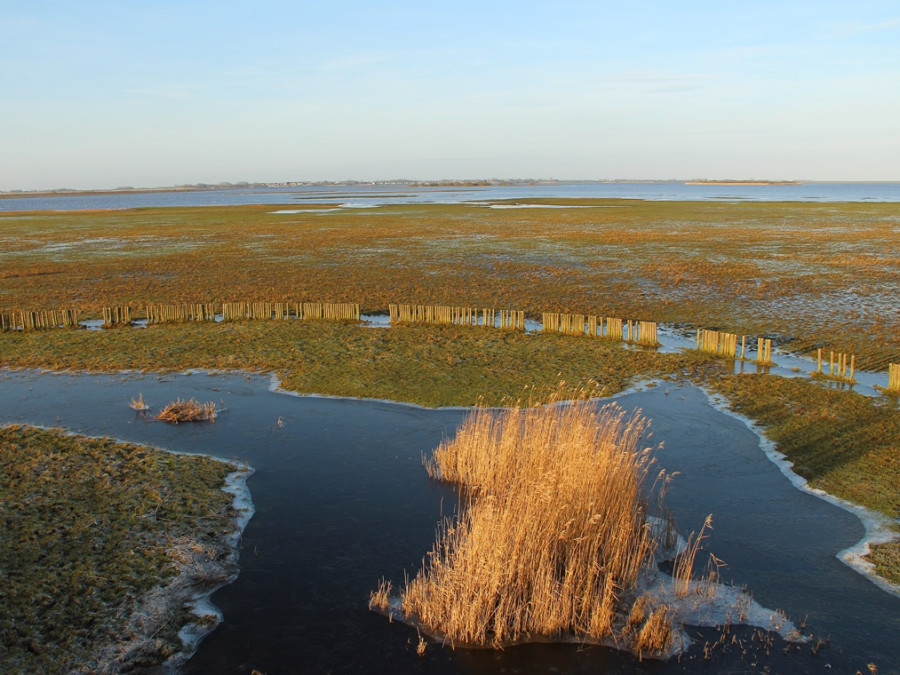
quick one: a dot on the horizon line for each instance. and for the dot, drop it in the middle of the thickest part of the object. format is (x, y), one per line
(428, 182)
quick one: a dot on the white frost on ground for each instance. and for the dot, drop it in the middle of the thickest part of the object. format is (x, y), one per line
(208, 615)
(879, 527)
(711, 604)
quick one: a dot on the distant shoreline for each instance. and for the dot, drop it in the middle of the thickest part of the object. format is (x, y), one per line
(742, 182)
(75, 193)
(201, 187)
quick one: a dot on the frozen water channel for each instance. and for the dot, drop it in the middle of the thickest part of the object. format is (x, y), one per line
(341, 500)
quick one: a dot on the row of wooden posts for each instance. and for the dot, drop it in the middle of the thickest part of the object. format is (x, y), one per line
(43, 319)
(237, 311)
(639, 332)
(725, 344)
(459, 316)
(179, 313)
(611, 328)
(840, 367)
(329, 311)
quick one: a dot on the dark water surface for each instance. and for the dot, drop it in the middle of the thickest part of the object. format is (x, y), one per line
(341, 500)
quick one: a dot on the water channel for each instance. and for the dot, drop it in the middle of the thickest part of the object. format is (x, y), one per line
(341, 500)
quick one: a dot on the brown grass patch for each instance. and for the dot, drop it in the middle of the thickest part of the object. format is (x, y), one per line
(188, 411)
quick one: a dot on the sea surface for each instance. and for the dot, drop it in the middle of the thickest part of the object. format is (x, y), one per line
(366, 195)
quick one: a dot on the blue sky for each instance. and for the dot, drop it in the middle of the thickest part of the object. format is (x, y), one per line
(106, 94)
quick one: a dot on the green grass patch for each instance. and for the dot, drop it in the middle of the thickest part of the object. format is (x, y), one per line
(425, 364)
(86, 529)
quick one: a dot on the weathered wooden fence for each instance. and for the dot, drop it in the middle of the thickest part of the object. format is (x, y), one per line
(764, 351)
(173, 313)
(717, 342)
(725, 344)
(638, 332)
(116, 316)
(644, 333)
(331, 311)
(839, 366)
(38, 320)
(460, 316)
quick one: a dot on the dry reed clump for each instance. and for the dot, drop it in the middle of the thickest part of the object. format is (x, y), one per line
(139, 404)
(188, 411)
(553, 537)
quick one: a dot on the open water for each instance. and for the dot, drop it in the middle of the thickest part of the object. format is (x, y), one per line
(362, 196)
(341, 500)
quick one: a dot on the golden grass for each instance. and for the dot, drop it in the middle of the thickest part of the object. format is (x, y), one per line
(684, 562)
(886, 558)
(810, 274)
(188, 411)
(553, 535)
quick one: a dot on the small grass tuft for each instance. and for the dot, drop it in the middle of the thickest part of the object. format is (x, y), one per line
(188, 411)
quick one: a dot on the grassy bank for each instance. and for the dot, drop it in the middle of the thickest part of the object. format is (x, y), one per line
(429, 365)
(77, 563)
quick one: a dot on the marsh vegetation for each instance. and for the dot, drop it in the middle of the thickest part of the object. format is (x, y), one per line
(812, 275)
(187, 411)
(809, 275)
(554, 534)
(559, 536)
(103, 544)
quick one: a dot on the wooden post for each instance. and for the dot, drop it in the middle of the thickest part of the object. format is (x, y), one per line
(894, 377)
